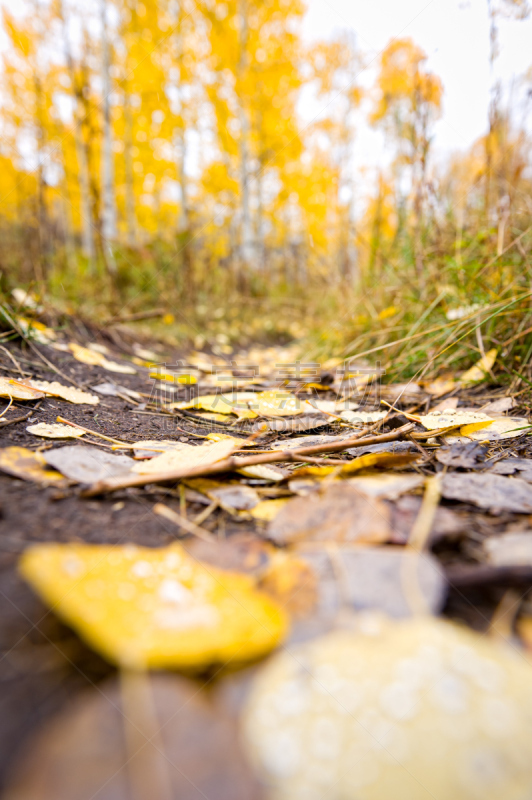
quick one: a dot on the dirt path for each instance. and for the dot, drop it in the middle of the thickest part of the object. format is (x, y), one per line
(44, 664)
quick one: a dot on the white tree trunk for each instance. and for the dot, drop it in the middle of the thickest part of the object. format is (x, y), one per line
(108, 178)
(87, 228)
(246, 229)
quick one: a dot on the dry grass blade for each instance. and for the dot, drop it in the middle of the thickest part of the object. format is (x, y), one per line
(183, 522)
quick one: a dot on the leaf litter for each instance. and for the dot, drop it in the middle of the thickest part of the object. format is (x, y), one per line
(301, 529)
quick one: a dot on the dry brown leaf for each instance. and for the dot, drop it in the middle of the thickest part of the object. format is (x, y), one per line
(122, 739)
(394, 580)
(28, 465)
(509, 550)
(493, 492)
(70, 393)
(337, 513)
(231, 496)
(292, 583)
(86, 464)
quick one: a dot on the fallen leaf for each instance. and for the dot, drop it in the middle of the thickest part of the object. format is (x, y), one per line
(292, 583)
(500, 428)
(120, 739)
(490, 491)
(113, 390)
(384, 447)
(70, 393)
(509, 550)
(154, 447)
(279, 403)
(25, 298)
(402, 393)
(36, 331)
(231, 496)
(28, 465)
(18, 390)
(144, 607)
(267, 510)
(363, 417)
(440, 386)
(86, 464)
(453, 418)
(264, 472)
(508, 466)
(499, 406)
(306, 441)
(179, 378)
(394, 580)
(187, 457)
(337, 513)
(227, 403)
(393, 709)
(387, 485)
(449, 402)
(306, 422)
(97, 359)
(481, 369)
(55, 431)
(367, 461)
(467, 455)
(240, 553)
(447, 524)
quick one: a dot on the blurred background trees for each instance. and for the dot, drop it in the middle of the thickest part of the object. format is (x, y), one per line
(154, 153)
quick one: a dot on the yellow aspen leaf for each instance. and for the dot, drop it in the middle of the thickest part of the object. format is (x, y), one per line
(279, 403)
(481, 369)
(96, 359)
(386, 460)
(230, 403)
(18, 390)
(267, 510)
(70, 393)
(144, 607)
(28, 465)
(452, 418)
(55, 431)
(186, 457)
(467, 430)
(186, 380)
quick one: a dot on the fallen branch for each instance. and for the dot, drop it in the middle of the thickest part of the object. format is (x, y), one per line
(235, 463)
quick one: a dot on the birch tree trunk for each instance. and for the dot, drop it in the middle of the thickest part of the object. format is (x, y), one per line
(246, 230)
(108, 187)
(87, 227)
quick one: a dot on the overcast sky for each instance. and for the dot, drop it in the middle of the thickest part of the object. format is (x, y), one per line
(455, 36)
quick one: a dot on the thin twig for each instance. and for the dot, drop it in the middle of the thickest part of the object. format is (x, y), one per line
(234, 463)
(183, 522)
(93, 433)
